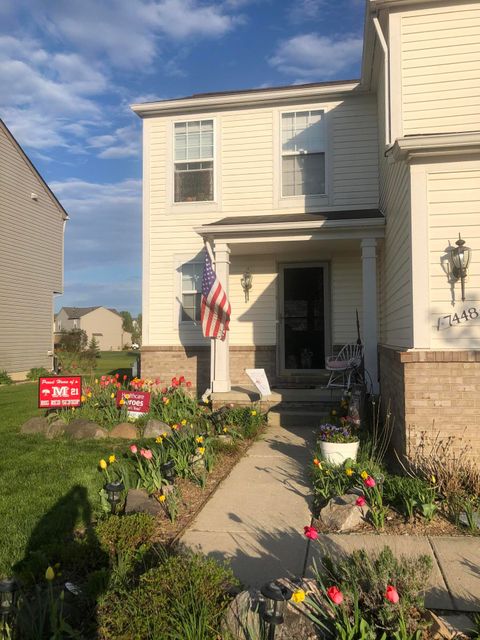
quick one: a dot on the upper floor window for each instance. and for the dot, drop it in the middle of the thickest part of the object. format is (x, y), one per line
(194, 161)
(192, 273)
(303, 153)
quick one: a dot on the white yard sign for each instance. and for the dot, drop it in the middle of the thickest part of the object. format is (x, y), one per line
(259, 379)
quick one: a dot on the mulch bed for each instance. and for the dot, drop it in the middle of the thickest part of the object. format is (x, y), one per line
(396, 524)
(193, 497)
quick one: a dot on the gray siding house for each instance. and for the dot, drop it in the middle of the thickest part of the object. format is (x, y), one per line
(32, 225)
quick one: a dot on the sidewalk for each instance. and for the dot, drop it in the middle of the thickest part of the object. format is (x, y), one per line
(256, 518)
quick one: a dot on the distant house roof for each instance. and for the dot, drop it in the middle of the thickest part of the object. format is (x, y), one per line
(79, 312)
(56, 201)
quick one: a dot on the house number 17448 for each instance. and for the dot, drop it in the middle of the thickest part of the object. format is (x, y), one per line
(448, 321)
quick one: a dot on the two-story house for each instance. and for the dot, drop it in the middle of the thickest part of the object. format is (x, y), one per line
(105, 325)
(32, 225)
(335, 198)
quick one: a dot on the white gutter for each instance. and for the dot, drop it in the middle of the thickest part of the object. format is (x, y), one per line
(386, 69)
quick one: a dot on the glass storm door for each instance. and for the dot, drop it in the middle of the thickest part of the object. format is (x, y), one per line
(303, 318)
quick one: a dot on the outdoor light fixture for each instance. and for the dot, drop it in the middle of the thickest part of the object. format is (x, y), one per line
(218, 418)
(246, 283)
(460, 258)
(276, 597)
(8, 600)
(114, 493)
(168, 471)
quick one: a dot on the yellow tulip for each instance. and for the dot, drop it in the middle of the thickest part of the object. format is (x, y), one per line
(298, 596)
(225, 430)
(122, 402)
(49, 574)
(89, 394)
(159, 440)
(364, 475)
(254, 413)
(96, 380)
(112, 395)
(112, 459)
(102, 464)
(349, 472)
(164, 434)
(82, 398)
(201, 450)
(199, 439)
(184, 422)
(162, 498)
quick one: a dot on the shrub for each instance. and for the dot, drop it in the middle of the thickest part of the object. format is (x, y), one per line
(247, 421)
(364, 579)
(73, 341)
(182, 599)
(117, 535)
(5, 378)
(37, 372)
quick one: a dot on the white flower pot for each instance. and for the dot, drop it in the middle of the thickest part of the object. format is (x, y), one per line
(339, 452)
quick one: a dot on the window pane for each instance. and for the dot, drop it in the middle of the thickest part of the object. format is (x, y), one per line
(188, 275)
(194, 141)
(303, 131)
(194, 182)
(303, 174)
(191, 307)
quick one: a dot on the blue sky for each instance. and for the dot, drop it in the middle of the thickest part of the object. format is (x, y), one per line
(70, 70)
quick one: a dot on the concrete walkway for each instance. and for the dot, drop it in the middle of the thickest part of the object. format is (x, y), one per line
(256, 518)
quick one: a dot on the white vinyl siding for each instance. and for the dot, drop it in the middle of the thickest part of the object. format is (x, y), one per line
(453, 208)
(440, 58)
(31, 250)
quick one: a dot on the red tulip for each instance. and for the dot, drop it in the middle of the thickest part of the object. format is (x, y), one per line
(125, 377)
(360, 501)
(335, 595)
(133, 448)
(189, 384)
(370, 482)
(311, 532)
(392, 594)
(181, 379)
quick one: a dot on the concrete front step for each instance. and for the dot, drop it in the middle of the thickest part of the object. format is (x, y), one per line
(296, 417)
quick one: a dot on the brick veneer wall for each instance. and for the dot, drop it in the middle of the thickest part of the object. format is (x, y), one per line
(194, 363)
(433, 392)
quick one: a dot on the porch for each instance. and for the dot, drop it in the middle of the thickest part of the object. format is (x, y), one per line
(310, 274)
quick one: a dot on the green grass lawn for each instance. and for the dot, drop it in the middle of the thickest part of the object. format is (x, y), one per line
(115, 362)
(41, 481)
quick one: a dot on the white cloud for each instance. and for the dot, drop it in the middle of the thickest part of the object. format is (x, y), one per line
(313, 57)
(305, 10)
(124, 142)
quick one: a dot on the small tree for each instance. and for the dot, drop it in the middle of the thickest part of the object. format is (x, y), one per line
(94, 348)
(73, 341)
(127, 321)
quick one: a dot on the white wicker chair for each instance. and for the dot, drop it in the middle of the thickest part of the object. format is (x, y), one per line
(344, 365)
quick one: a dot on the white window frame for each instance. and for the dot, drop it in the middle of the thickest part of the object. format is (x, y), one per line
(193, 203)
(286, 154)
(181, 321)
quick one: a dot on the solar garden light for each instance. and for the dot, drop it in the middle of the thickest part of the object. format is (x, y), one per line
(8, 599)
(276, 597)
(460, 258)
(168, 471)
(246, 282)
(114, 492)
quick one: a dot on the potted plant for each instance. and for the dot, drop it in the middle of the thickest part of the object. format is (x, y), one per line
(339, 442)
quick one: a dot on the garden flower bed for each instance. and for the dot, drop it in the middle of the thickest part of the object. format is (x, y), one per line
(438, 494)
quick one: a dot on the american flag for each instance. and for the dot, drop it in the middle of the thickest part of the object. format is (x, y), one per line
(215, 313)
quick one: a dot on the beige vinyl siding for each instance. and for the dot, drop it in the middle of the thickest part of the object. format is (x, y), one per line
(440, 53)
(31, 250)
(247, 183)
(107, 323)
(346, 295)
(453, 207)
(395, 284)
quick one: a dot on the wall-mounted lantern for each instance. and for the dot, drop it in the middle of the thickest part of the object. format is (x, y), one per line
(460, 259)
(246, 283)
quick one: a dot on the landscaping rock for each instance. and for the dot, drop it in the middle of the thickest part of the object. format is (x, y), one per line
(124, 430)
(242, 619)
(155, 428)
(138, 501)
(80, 429)
(35, 425)
(342, 514)
(56, 429)
(225, 438)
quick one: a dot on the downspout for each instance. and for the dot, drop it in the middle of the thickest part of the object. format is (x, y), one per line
(386, 70)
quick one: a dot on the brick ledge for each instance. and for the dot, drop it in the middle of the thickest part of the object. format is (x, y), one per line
(432, 355)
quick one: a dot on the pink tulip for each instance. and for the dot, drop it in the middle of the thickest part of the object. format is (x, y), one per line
(370, 482)
(311, 532)
(392, 594)
(360, 501)
(335, 595)
(133, 448)
(146, 453)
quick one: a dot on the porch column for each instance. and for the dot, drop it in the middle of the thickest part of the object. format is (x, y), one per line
(370, 311)
(221, 354)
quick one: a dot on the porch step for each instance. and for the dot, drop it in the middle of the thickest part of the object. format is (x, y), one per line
(283, 417)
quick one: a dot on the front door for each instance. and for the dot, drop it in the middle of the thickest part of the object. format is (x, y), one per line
(304, 318)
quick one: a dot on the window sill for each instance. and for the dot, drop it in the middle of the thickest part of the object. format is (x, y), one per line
(308, 202)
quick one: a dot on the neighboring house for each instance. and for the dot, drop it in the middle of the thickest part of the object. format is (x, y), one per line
(32, 225)
(105, 325)
(336, 197)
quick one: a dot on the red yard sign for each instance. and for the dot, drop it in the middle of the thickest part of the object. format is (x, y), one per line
(135, 401)
(59, 391)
